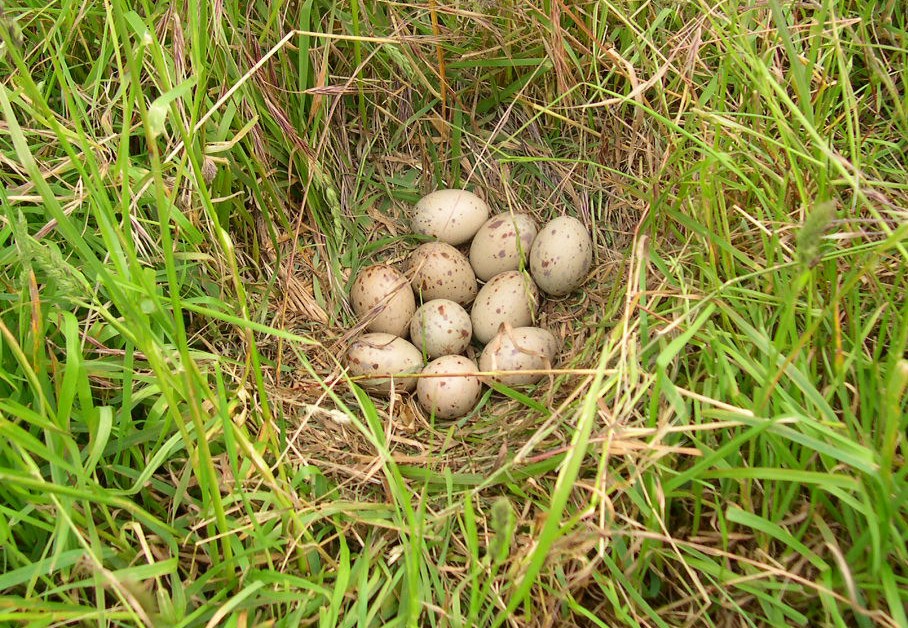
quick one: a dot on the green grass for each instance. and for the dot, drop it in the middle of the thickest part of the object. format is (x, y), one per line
(186, 192)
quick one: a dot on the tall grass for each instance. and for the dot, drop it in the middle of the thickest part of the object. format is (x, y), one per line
(187, 189)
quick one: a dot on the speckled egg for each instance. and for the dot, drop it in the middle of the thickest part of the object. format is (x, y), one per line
(452, 396)
(439, 271)
(561, 256)
(510, 297)
(441, 327)
(501, 244)
(384, 296)
(452, 216)
(519, 349)
(383, 354)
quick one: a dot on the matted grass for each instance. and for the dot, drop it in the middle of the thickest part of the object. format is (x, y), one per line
(187, 190)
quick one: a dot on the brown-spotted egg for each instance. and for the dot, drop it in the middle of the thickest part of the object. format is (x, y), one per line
(439, 271)
(519, 349)
(501, 244)
(450, 215)
(455, 392)
(383, 296)
(383, 355)
(561, 256)
(441, 327)
(510, 297)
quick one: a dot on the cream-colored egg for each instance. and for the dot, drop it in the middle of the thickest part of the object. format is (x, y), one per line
(439, 271)
(561, 256)
(452, 216)
(385, 355)
(453, 395)
(501, 244)
(441, 327)
(519, 349)
(510, 297)
(383, 296)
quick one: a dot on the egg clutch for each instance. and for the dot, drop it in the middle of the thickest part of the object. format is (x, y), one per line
(444, 282)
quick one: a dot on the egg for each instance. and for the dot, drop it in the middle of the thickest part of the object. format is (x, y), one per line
(387, 355)
(452, 396)
(561, 256)
(382, 291)
(441, 327)
(501, 244)
(439, 271)
(519, 349)
(452, 216)
(509, 297)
